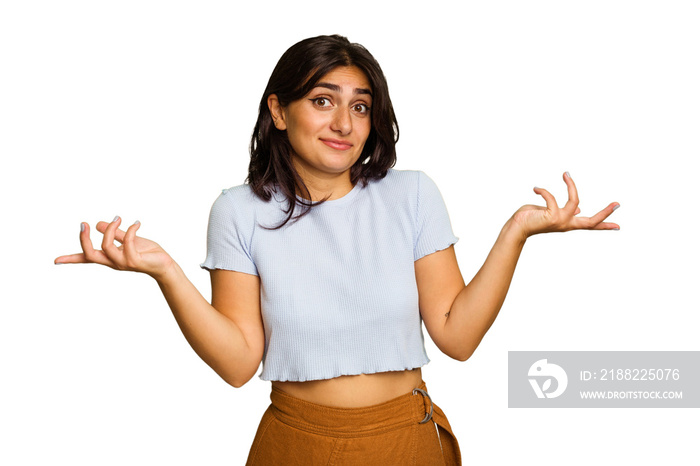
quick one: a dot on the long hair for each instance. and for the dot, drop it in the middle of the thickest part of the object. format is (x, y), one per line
(298, 71)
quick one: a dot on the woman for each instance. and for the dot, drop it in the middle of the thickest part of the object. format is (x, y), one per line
(324, 265)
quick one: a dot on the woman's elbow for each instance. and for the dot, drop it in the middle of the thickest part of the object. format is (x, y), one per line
(238, 376)
(236, 381)
(460, 353)
(463, 356)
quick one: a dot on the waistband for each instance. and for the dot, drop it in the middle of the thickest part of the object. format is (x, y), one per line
(411, 408)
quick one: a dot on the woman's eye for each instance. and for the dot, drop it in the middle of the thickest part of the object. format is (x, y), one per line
(321, 102)
(361, 108)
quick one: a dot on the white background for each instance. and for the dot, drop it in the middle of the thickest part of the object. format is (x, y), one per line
(144, 109)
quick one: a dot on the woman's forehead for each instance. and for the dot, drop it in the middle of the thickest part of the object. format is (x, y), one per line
(346, 77)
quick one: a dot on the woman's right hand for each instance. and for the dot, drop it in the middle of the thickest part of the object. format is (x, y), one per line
(135, 254)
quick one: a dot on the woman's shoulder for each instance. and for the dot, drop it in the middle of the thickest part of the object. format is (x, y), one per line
(394, 176)
(241, 192)
(235, 202)
(240, 204)
(405, 180)
(412, 187)
(242, 196)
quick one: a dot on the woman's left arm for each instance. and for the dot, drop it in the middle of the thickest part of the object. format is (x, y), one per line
(457, 316)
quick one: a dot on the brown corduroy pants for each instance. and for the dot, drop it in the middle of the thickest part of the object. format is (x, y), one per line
(407, 430)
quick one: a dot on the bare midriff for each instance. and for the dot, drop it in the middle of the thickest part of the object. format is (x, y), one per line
(354, 391)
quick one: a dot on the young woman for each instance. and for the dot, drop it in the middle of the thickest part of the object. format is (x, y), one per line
(324, 265)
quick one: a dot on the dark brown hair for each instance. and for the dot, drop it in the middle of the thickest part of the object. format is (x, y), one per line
(298, 71)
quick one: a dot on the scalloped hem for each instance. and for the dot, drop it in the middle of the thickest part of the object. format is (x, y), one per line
(341, 374)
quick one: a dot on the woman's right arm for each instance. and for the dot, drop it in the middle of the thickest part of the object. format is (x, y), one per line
(227, 334)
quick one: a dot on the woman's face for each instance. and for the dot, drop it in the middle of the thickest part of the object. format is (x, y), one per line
(329, 126)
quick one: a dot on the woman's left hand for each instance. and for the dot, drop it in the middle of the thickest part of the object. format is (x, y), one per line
(533, 219)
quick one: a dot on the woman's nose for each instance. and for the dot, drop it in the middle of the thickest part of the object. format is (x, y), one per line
(342, 122)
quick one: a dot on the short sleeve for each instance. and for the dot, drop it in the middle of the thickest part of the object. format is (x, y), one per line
(433, 227)
(229, 234)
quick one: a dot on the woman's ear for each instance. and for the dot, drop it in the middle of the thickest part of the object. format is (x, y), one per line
(277, 112)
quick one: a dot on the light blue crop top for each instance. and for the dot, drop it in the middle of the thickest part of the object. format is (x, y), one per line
(338, 287)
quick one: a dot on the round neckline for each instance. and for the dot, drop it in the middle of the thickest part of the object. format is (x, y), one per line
(341, 200)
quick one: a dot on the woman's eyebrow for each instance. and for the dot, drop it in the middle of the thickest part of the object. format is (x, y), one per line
(336, 88)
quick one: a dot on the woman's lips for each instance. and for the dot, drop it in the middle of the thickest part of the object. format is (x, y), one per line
(337, 144)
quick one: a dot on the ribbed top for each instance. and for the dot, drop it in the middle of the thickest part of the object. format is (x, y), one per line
(338, 288)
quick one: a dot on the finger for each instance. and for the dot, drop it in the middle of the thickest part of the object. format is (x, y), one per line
(129, 250)
(108, 246)
(594, 222)
(90, 253)
(572, 203)
(603, 214)
(578, 211)
(118, 234)
(78, 258)
(548, 198)
(606, 226)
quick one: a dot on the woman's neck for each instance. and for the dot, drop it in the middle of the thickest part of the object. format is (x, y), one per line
(326, 186)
